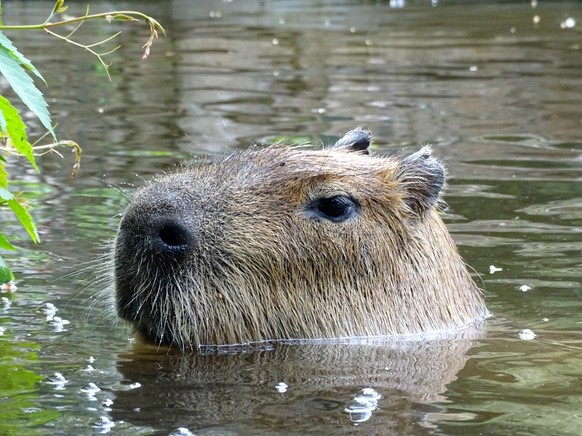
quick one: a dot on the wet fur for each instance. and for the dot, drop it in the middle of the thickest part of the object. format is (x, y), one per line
(262, 269)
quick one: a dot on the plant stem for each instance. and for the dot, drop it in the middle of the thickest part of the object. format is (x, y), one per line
(128, 15)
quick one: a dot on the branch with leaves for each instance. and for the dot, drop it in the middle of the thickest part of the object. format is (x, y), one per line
(16, 69)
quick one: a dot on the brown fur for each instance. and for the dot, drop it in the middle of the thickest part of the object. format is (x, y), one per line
(256, 265)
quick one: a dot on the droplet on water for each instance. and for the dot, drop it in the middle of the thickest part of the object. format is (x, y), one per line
(90, 389)
(104, 424)
(58, 323)
(181, 431)
(281, 387)
(526, 335)
(8, 287)
(58, 380)
(524, 288)
(362, 406)
(493, 269)
(49, 309)
(568, 23)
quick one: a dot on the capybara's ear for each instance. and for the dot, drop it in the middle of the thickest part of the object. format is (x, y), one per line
(357, 140)
(423, 177)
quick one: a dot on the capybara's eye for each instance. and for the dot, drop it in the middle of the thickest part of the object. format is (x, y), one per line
(336, 209)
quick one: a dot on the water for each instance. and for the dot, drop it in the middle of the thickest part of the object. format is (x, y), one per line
(494, 86)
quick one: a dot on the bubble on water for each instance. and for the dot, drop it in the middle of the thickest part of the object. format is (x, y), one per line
(397, 3)
(90, 389)
(281, 387)
(8, 287)
(104, 424)
(526, 335)
(534, 3)
(5, 303)
(524, 288)
(371, 393)
(537, 19)
(57, 380)
(352, 29)
(545, 319)
(2, 331)
(363, 404)
(90, 359)
(513, 29)
(215, 14)
(493, 269)
(275, 41)
(49, 309)
(368, 42)
(568, 23)
(58, 323)
(181, 431)
(358, 412)
(88, 368)
(473, 68)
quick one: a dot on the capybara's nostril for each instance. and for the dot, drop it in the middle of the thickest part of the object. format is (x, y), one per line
(175, 236)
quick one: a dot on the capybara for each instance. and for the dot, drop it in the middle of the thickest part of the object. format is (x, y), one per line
(291, 243)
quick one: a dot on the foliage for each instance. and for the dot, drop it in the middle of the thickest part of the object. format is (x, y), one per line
(17, 70)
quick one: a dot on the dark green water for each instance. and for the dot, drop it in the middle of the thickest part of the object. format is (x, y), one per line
(496, 87)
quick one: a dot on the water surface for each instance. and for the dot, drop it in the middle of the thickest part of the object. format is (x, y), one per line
(494, 86)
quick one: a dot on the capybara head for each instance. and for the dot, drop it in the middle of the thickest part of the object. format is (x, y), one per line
(287, 243)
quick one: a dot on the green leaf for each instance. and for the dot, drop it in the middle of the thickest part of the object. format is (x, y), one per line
(123, 17)
(16, 130)
(3, 126)
(24, 218)
(4, 243)
(21, 213)
(5, 194)
(5, 273)
(58, 5)
(3, 175)
(24, 86)
(7, 44)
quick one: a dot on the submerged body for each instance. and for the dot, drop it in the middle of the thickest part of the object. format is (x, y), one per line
(290, 243)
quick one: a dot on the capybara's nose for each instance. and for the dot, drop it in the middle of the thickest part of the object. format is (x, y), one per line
(172, 236)
(145, 234)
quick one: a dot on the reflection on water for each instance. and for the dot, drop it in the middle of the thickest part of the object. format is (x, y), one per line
(238, 391)
(495, 86)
